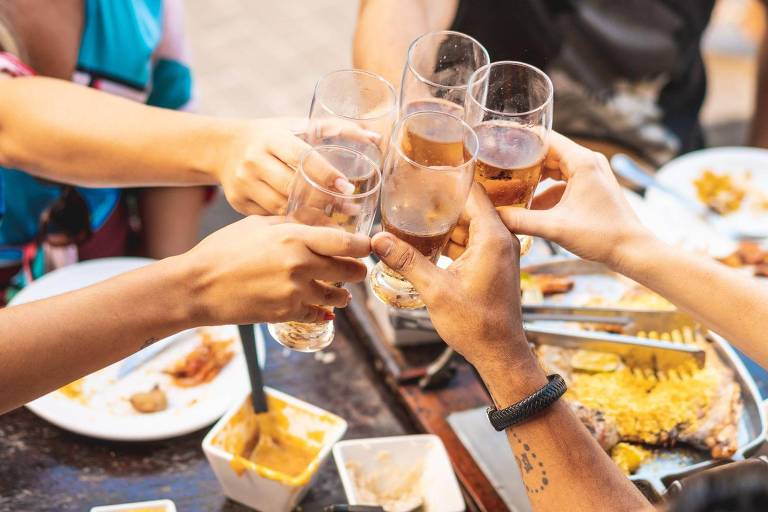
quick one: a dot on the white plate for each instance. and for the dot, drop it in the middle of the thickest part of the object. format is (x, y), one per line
(106, 413)
(681, 172)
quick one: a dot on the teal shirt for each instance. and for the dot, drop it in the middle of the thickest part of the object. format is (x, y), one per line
(117, 54)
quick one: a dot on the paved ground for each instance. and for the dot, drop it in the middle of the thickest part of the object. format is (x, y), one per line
(257, 58)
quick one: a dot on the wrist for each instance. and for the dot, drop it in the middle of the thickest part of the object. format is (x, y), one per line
(225, 144)
(171, 280)
(626, 253)
(189, 284)
(511, 380)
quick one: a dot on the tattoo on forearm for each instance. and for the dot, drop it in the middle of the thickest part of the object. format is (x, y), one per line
(149, 342)
(532, 468)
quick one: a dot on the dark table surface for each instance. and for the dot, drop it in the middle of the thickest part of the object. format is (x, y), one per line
(45, 468)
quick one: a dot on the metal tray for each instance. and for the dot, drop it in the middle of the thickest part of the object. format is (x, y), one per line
(668, 464)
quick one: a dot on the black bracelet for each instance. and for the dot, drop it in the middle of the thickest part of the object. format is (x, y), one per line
(530, 406)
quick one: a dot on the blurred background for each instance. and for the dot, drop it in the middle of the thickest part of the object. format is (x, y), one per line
(260, 58)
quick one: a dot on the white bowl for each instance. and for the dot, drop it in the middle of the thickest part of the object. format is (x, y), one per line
(164, 505)
(255, 486)
(381, 458)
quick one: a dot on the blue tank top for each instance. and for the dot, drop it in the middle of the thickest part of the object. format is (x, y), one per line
(118, 54)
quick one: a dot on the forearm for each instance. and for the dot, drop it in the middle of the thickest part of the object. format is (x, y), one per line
(730, 303)
(386, 28)
(559, 460)
(58, 130)
(49, 343)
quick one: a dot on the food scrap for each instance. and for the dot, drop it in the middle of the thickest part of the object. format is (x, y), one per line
(74, 391)
(392, 488)
(719, 191)
(151, 401)
(550, 284)
(629, 457)
(748, 253)
(203, 364)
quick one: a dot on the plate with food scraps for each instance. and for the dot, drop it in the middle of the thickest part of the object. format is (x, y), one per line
(731, 180)
(186, 387)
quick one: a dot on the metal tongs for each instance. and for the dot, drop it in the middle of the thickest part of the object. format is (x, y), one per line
(634, 350)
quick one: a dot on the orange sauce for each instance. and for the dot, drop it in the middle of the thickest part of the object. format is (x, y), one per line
(283, 444)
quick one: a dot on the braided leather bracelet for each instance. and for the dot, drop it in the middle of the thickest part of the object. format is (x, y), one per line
(530, 406)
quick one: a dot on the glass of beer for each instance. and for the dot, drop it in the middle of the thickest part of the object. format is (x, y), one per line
(355, 109)
(313, 204)
(437, 71)
(509, 105)
(427, 176)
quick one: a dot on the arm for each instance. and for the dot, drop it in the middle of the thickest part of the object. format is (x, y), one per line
(475, 307)
(227, 279)
(593, 220)
(61, 131)
(730, 303)
(759, 134)
(386, 28)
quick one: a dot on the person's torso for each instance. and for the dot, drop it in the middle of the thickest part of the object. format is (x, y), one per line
(629, 72)
(116, 55)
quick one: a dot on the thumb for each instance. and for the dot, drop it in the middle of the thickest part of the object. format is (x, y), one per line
(528, 222)
(404, 259)
(481, 215)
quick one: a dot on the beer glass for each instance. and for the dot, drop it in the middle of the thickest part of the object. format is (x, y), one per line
(509, 105)
(437, 71)
(427, 177)
(355, 109)
(311, 203)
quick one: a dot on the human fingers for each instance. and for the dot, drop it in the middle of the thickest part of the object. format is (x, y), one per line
(528, 222)
(454, 250)
(322, 172)
(484, 222)
(337, 270)
(404, 259)
(265, 197)
(460, 234)
(548, 198)
(327, 241)
(323, 294)
(277, 174)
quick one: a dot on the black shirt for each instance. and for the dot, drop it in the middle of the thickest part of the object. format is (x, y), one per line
(627, 71)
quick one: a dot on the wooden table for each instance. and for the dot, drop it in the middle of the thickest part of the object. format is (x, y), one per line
(45, 468)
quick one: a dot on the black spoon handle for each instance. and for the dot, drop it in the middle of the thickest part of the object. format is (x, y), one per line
(248, 338)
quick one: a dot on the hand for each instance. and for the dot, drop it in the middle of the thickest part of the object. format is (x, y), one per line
(260, 168)
(475, 303)
(262, 270)
(588, 215)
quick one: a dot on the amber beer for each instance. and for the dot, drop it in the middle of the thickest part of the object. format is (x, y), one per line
(428, 144)
(428, 244)
(509, 162)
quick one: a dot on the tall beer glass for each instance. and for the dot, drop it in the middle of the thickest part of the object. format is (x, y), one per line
(437, 71)
(427, 176)
(314, 204)
(355, 109)
(509, 104)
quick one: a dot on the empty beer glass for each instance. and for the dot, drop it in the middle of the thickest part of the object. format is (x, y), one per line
(355, 109)
(314, 204)
(437, 72)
